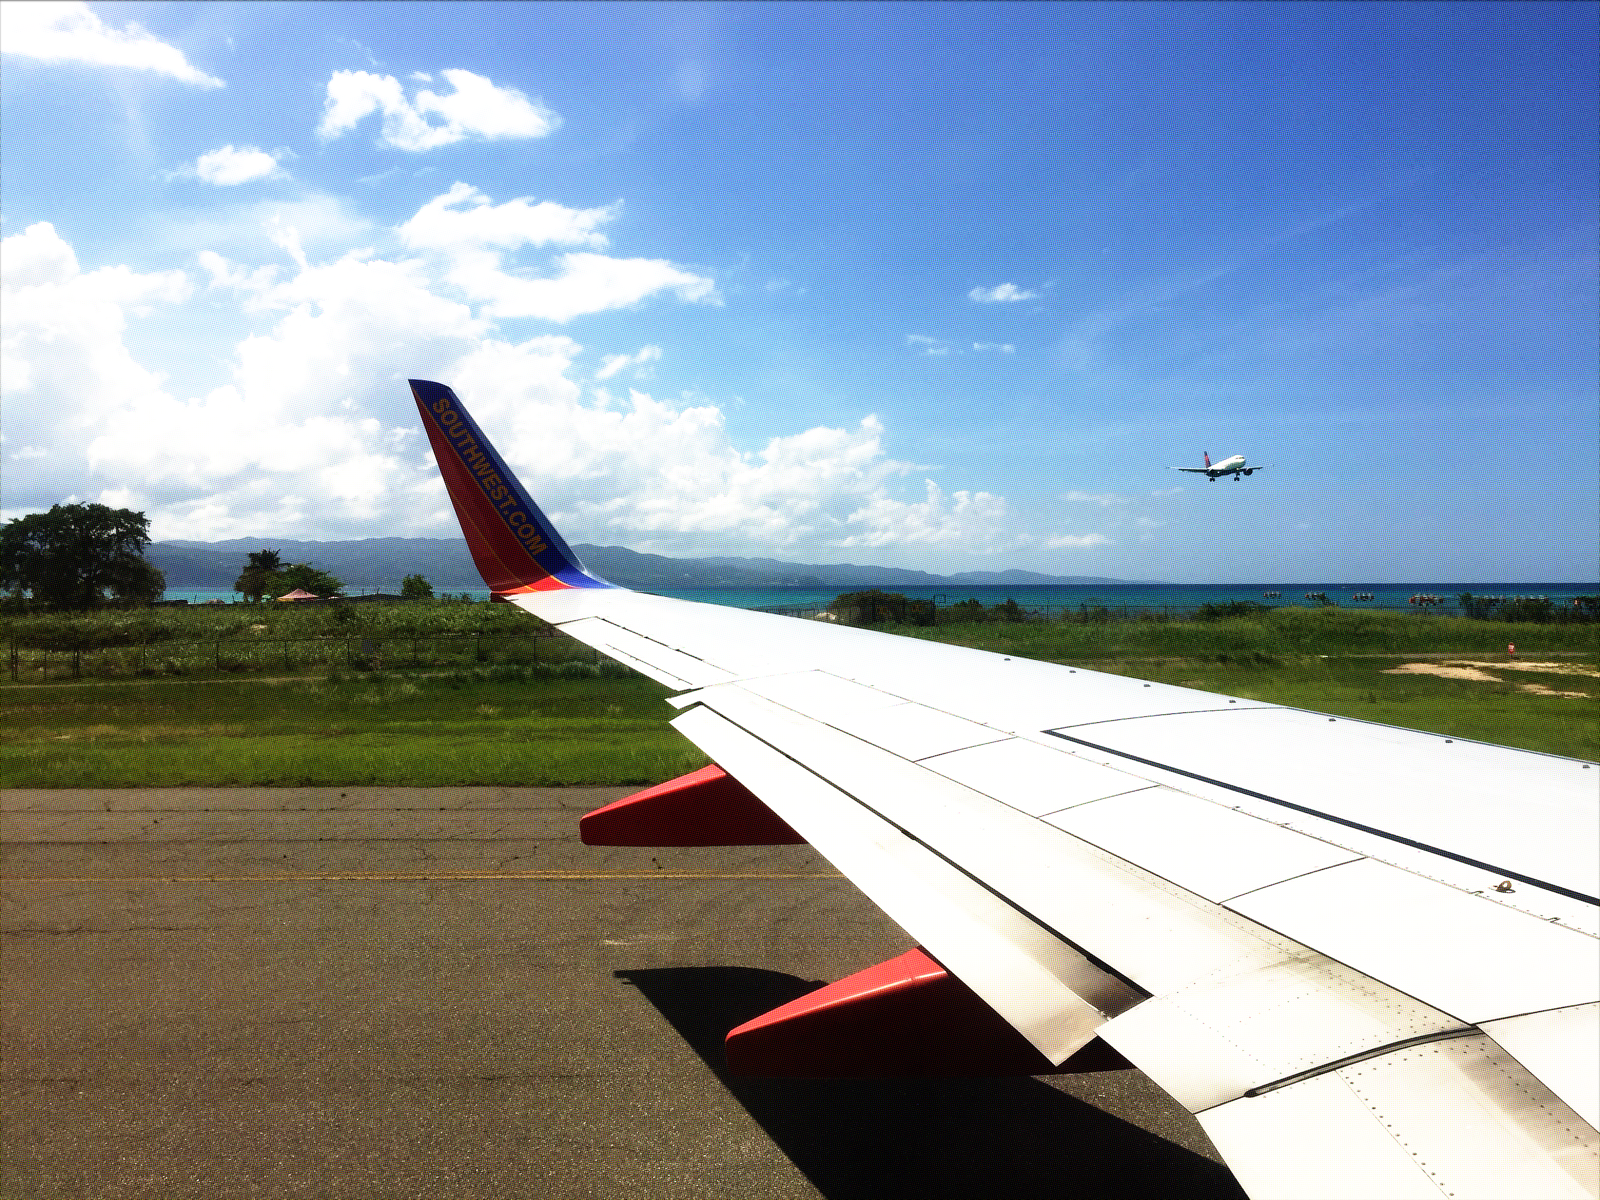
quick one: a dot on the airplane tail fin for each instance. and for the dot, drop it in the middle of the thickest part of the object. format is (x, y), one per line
(1207, 457)
(513, 544)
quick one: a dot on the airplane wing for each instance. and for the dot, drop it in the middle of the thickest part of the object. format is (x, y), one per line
(1364, 957)
(1192, 470)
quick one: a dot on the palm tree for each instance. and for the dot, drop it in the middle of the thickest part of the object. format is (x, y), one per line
(259, 575)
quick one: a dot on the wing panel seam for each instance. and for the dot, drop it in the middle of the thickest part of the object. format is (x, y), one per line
(1559, 889)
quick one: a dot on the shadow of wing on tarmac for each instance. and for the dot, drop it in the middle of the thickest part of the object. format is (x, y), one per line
(931, 1138)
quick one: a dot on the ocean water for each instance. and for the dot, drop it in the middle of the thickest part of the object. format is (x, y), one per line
(1142, 596)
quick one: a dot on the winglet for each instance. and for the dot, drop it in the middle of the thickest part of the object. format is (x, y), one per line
(513, 544)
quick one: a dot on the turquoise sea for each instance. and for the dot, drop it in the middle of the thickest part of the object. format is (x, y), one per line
(1053, 597)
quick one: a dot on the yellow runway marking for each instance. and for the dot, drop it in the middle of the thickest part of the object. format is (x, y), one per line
(434, 877)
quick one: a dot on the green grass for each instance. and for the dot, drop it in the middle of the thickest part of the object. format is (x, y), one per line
(527, 726)
(1276, 631)
(255, 623)
(576, 722)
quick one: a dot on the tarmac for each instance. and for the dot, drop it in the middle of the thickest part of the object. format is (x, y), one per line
(439, 992)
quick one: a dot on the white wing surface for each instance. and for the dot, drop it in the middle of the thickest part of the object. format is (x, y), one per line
(1365, 957)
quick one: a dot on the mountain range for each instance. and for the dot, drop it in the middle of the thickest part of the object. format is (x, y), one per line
(445, 563)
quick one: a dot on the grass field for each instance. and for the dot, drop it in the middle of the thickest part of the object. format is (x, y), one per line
(575, 724)
(560, 723)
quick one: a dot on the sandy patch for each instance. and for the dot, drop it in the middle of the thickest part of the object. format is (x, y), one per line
(1539, 689)
(1480, 672)
(1519, 665)
(1444, 670)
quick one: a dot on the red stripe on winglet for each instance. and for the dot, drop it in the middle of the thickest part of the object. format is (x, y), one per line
(707, 807)
(505, 564)
(905, 1017)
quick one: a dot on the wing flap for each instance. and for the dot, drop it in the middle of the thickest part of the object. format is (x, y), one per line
(1052, 995)
(1561, 1047)
(1283, 1006)
(1463, 954)
(1457, 1118)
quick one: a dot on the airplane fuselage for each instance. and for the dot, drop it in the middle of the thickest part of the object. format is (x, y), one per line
(1233, 465)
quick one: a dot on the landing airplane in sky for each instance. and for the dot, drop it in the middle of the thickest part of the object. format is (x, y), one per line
(1364, 957)
(1233, 465)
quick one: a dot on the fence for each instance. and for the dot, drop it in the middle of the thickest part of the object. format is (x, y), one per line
(939, 612)
(289, 654)
(915, 611)
(549, 646)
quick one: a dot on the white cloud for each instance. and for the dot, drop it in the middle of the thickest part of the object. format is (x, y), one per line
(638, 467)
(928, 345)
(1001, 293)
(1104, 499)
(229, 167)
(312, 433)
(465, 217)
(53, 31)
(476, 108)
(1069, 541)
(936, 348)
(468, 232)
(63, 359)
(613, 364)
(63, 327)
(225, 274)
(964, 520)
(586, 283)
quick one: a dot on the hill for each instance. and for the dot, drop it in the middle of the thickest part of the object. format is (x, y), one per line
(445, 563)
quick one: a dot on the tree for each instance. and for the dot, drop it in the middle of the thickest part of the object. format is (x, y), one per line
(259, 576)
(265, 575)
(76, 554)
(311, 579)
(415, 587)
(875, 606)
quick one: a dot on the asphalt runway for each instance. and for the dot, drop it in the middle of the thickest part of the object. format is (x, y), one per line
(380, 992)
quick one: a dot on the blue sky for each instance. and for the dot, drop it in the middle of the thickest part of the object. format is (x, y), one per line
(949, 286)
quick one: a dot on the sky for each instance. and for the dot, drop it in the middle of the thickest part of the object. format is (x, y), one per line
(944, 286)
